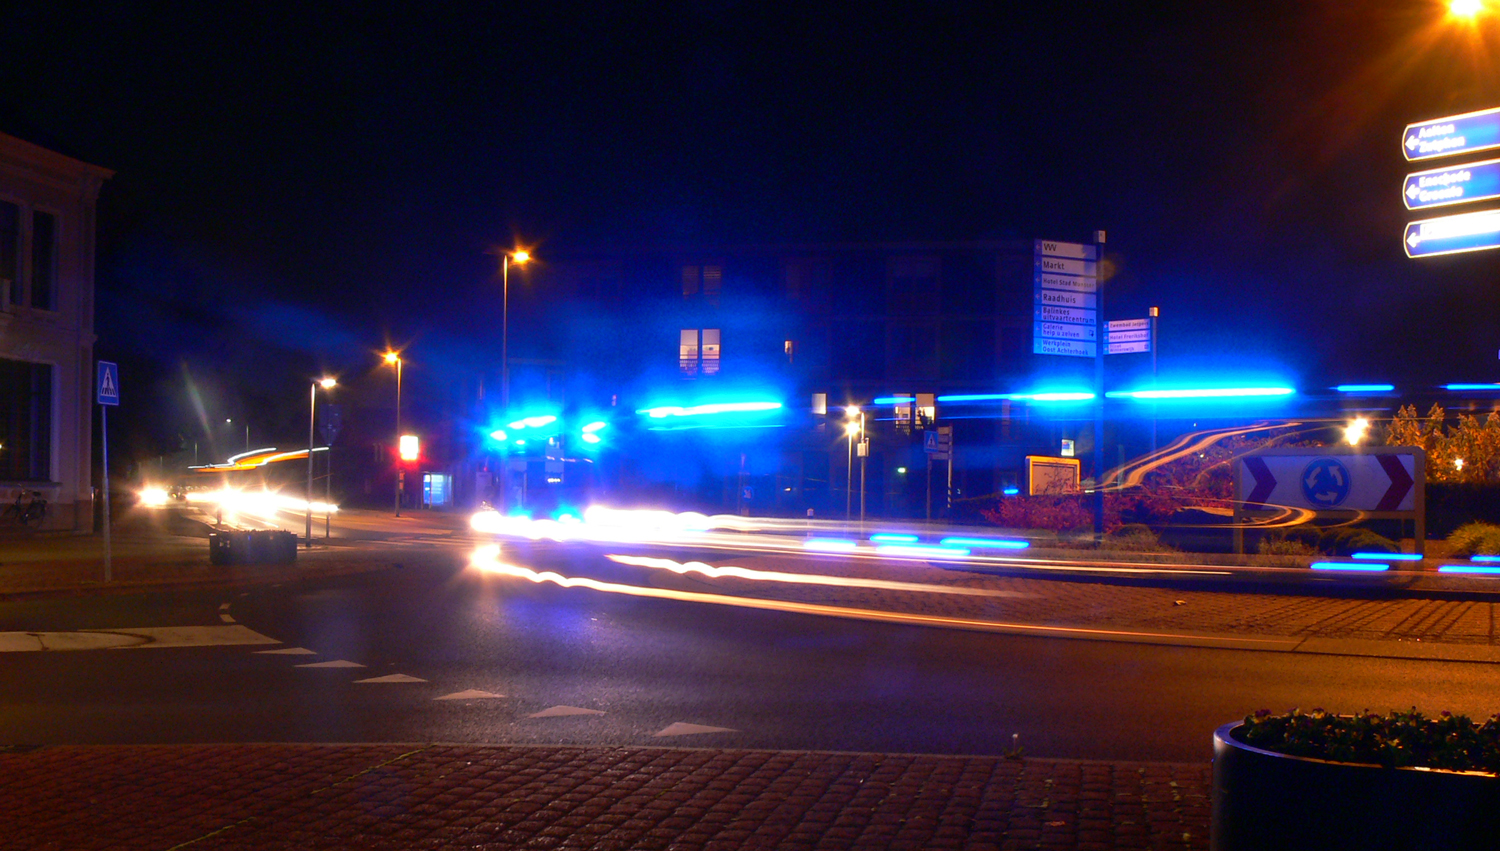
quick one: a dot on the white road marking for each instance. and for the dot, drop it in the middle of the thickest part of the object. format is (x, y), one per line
(223, 607)
(561, 711)
(393, 678)
(289, 651)
(341, 663)
(226, 618)
(471, 694)
(158, 637)
(682, 728)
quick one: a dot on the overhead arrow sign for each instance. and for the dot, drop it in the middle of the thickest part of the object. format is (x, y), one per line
(1376, 479)
(1455, 134)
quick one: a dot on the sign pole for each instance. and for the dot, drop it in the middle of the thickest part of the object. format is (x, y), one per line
(104, 438)
(1154, 316)
(107, 393)
(1099, 398)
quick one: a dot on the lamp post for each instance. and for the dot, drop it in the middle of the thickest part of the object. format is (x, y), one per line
(520, 256)
(851, 428)
(395, 358)
(312, 416)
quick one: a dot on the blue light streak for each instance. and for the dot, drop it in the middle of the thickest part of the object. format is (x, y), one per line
(1365, 388)
(1476, 569)
(1203, 393)
(1484, 558)
(1471, 387)
(1387, 556)
(894, 539)
(985, 543)
(1349, 567)
(703, 410)
(1011, 491)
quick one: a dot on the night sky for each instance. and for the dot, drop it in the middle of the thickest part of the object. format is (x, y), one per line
(296, 185)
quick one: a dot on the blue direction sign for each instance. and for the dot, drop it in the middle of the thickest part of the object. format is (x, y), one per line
(108, 384)
(1456, 134)
(1457, 184)
(1453, 234)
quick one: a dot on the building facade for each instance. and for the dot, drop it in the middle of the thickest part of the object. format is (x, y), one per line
(889, 328)
(47, 236)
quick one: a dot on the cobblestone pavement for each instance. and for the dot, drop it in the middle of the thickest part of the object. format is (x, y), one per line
(442, 796)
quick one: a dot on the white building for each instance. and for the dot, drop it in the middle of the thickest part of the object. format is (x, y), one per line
(47, 205)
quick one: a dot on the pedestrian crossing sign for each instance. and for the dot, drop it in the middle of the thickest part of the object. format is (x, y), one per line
(109, 383)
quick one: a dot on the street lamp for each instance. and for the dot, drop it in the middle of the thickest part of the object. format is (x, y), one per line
(395, 358)
(520, 256)
(851, 428)
(312, 416)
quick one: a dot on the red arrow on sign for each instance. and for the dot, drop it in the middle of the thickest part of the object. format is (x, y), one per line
(1400, 482)
(1264, 481)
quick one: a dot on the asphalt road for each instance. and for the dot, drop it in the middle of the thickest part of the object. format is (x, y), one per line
(602, 668)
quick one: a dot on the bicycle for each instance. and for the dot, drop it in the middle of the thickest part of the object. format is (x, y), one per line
(29, 509)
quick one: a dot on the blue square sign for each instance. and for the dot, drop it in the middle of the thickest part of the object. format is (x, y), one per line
(109, 383)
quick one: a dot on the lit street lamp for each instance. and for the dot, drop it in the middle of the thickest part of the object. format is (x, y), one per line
(851, 428)
(312, 416)
(520, 256)
(395, 358)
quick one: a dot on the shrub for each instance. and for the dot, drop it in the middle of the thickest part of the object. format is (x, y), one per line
(1475, 539)
(1451, 742)
(1135, 538)
(1347, 540)
(1285, 545)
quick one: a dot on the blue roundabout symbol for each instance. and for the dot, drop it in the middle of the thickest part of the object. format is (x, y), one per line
(1325, 482)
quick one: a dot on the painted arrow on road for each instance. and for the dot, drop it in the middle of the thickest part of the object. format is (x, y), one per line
(1401, 483)
(1264, 481)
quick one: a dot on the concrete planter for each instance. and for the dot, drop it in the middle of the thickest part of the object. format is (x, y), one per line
(1266, 800)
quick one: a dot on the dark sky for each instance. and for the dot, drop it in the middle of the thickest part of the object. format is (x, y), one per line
(305, 182)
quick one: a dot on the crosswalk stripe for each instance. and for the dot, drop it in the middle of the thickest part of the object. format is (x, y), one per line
(340, 663)
(470, 694)
(393, 678)
(682, 728)
(561, 711)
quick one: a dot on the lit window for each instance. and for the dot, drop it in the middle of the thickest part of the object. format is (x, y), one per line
(904, 412)
(698, 352)
(789, 347)
(687, 352)
(689, 281)
(710, 351)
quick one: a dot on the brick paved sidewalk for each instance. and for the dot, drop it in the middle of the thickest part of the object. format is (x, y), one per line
(262, 797)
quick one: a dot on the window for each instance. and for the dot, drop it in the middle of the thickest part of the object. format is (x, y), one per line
(10, 251)
(710, 351)
(689, 281)
(790, 347)
(687, 352)
(25, 421)
(43, 260)
(698, 352)
(713, 283)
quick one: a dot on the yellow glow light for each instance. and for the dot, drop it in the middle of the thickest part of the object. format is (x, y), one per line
(392, 357)
(328, 383)
(521, 256)
(1465, 8)
(1355, 431)
(409, 447)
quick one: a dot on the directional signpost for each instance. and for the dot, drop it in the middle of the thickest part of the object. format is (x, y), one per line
(1458, 184)
(1453, 234)
(1066, 312)
(1127, 335)
(1375, 482)
(1456, 134)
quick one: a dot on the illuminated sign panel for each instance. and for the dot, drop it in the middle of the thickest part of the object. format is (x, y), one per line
(1456, 134)
(1065, 309)
(1453, 234)
(1457, 184)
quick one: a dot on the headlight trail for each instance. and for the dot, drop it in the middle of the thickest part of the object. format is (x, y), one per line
(487, 559)
(804, 578)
